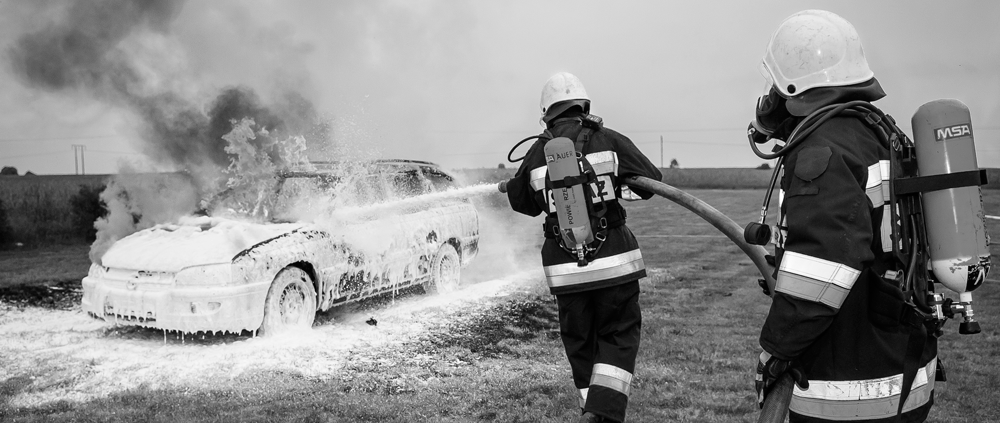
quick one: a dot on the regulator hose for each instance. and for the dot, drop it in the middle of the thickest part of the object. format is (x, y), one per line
(539, 136)
(723, 223)
(857, 108)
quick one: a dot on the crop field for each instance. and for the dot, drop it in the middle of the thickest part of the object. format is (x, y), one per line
(488, 353)
(39, 209)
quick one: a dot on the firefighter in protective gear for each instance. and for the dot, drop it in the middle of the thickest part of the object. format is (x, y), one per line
(831, 321)
(599, 315)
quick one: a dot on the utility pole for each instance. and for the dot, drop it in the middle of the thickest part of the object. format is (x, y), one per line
(661, 151)
(78, 161)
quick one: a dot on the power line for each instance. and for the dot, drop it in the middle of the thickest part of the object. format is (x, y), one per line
(59, 138)
(624, 131)
(474, 154)
(31, 155)
(727, 144)
(116, 152)
(633, 131)
(723, 144)
(674, 131)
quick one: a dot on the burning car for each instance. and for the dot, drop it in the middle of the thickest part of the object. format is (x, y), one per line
(210, 274)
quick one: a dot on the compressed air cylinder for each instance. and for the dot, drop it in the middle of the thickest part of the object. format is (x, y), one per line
(570, 201)
(954, 218)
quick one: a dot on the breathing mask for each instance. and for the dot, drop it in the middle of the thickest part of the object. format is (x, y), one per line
(771, 112)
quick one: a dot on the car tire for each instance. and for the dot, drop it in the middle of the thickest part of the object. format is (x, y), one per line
(290, 302)
(446, 271)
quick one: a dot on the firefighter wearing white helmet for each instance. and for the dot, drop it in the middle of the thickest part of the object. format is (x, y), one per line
(563, 90)
(596, 281)
(837, 323)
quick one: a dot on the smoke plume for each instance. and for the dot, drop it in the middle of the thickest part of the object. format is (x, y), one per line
(113, 51)
(91, 50)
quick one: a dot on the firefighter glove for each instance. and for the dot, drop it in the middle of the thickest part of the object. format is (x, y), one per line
(769, 370)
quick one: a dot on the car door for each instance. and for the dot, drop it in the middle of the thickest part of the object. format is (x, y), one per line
(406, 258)
(361, 238)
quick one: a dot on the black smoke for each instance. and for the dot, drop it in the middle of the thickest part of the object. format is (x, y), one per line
(81, 52)
(81, 49)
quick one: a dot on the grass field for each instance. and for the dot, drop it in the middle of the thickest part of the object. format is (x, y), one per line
(49, 265)
(492, 358)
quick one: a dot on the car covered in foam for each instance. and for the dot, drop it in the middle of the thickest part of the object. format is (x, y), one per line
(212, 274)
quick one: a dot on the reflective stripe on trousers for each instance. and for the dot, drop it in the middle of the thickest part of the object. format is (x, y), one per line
(869, 399)
(566, 274)
(612, 377)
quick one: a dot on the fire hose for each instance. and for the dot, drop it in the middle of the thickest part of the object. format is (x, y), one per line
(720, 221)
(776, 403)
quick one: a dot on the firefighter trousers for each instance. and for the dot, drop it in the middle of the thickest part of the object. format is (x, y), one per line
(600, 330)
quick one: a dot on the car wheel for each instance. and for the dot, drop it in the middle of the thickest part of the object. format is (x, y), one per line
(446, 271)
(290, 303)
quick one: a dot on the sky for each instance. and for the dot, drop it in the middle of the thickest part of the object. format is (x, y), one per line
(458, 83)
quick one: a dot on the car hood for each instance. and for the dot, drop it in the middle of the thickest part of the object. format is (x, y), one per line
(193, 241)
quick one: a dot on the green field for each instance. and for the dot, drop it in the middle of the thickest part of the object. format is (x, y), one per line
(38, 208)
(493, 359)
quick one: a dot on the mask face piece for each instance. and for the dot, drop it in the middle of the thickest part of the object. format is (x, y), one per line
(771, 112)
(768, 84)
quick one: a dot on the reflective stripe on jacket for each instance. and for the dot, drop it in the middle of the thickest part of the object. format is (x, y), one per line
(627, 265)
(869, 399)
(815, 279)
(604, 188)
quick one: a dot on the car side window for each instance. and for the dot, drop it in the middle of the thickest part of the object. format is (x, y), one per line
(368, 189)
(410, 182)
(293, 190)
(439, 180)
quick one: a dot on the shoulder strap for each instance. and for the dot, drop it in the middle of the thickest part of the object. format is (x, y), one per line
(584, 136)
(582, 139)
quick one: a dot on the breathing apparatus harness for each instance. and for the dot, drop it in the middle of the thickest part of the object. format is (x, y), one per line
(589, 122)
(909, 244)
(599, 218)
(914, 307)
(908, 247)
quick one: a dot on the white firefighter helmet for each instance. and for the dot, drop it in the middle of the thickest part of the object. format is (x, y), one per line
(561, 87)
(814, 48)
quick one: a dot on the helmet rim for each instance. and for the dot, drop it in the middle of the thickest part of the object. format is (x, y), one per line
(561, 87)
